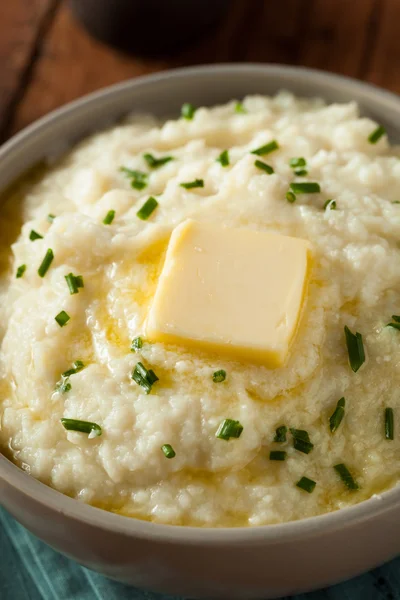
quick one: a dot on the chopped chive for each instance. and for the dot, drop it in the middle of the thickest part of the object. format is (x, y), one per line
(280, 434)
(187, 111)
(64, 385)
(396, 318)
(219, 376)
(223, 158)
(34, 235)
(144, 377)
(331, 204)
(229, 428)
(92, 429)
(155, 163)
(62, 318)
(336, 418)
(137, 344)
(346, 476)
(306, 484)
(70, 279)
(138, 178)
(355, 348)
(277, 455)
(389, 424)
(307, 187)
(50, 217)
(46, 262)
(239, 108)
(301, 172)
(297, 162)
(301, 440)
(394, 325)
(78, 366)
(264, 167)
(290, 197)
(266, 149)
(197, 183)
(396, 202)
(109, 218)
(148, 207)
(376, 135)
(168, 450)
(20, 271)
(74, 282)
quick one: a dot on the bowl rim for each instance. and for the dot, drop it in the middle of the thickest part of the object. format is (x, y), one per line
(52, 500)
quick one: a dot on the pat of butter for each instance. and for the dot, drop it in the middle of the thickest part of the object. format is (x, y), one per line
(237, 292)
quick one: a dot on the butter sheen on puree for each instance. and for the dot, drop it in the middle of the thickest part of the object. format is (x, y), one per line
(191, 439)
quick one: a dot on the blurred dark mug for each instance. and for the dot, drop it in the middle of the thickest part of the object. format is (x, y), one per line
(151, 27)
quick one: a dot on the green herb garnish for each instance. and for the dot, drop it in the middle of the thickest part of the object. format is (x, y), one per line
(74, 283)
(277, 455)
(337, 417)
(239, 108)
(168, 450)
(396, 324)
(306, 484)
(307, 187)
(78, 366)
(355, 348)
(20, 271)
(376, 135)
(389, 424)
(34, 235)
(62, 318)
(280, 434)
(92, 429)
(144, 377)
(266, 149)
(331, 204)
(301, 440)
(137, 344)
(50, 217)
(346, 476)
(290, 197)
(223, 158)
(300, 172)
(197, 183)
(187, 111)
(109, 218)
(156, 163)
(229, 429)
(64, 384)
(295, 163)
(46, 262)
(147, 209)
(264, 167)
(219, 376)
(138, 178)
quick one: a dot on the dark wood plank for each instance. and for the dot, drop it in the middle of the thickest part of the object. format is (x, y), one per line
(21, 24)
(335, 34)
(385, 52)
(72, 63)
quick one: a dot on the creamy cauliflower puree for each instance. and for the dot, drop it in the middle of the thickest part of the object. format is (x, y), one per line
(190, 437)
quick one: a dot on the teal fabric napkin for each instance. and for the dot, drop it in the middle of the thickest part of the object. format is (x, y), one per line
(30, 570)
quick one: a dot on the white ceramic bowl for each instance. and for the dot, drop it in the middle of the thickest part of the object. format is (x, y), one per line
(246, 563)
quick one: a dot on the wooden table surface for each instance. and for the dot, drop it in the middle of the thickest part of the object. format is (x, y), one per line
(48, 59)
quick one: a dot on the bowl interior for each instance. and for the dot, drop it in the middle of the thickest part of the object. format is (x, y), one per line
(163, 95)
